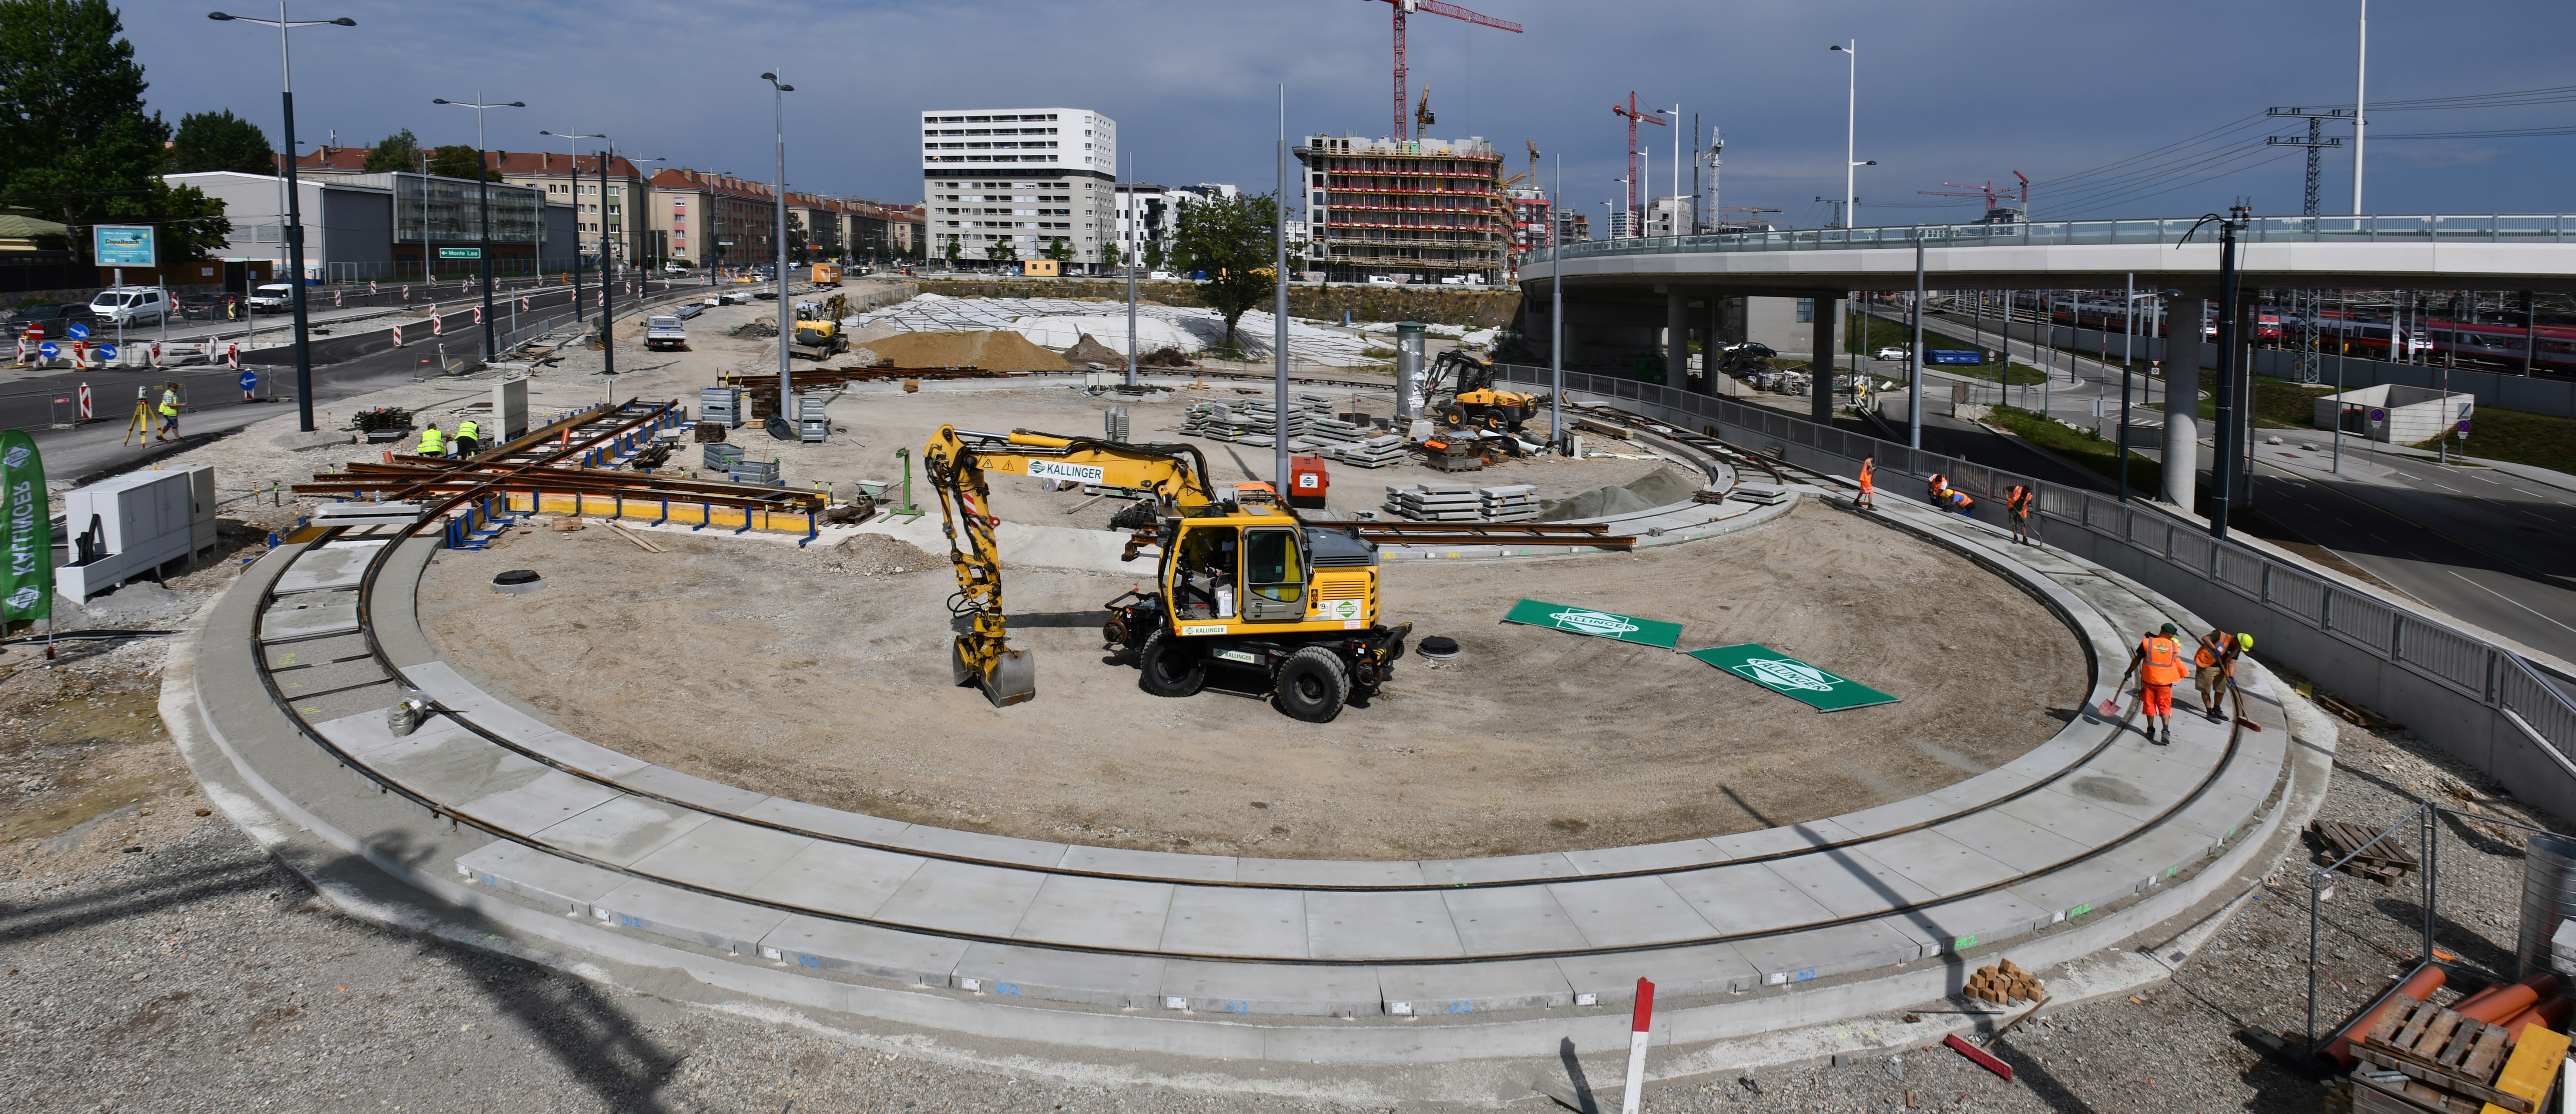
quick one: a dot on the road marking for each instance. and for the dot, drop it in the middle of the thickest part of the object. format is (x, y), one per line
(2511, 600)
(2448, 488)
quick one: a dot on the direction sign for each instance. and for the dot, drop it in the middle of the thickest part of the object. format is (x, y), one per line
(249, 380)
(460, 253)
(107, 351)
(1598, 624)
(79, 331)
(47, 350)
(1792, 678)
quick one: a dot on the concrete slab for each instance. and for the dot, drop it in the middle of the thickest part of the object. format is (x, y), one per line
(2081, 819)
(447, 688)
(1499, 868)
(334, 566)
(1896, 815)
(621, 830)
(1611, 980)
(1984, 790)
(836, 878)
(2168, 773)
(1980, 919)
(1647, 856)
(1626, 912)
(2081, 888)
(1149, 864)
(825, 821)
(697, 792)
(2012, 841)
(1835, 949)
(1462, 988)
(1393, 925)
(1850, 882)
(550, 799)
(1511, 920)
(1939, 863)
(1263, 924)
(962, 897)
(670, 911)
(976, 846)
(1746, 898)
(1787, 838)
(568, 886)
(583, 756)
(723, 854)
(1116, 981)
(1098, 912)
(863, 949)
(1327, 872)
(310, 615)
(455, 767)
(365, 733)
(1320, 990)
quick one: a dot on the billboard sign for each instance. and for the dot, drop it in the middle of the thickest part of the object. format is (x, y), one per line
(124, 245)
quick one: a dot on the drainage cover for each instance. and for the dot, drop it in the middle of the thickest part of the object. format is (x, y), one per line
(518, 582)
(1438, 648)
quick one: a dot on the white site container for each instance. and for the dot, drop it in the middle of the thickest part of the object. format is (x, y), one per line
(134, 523)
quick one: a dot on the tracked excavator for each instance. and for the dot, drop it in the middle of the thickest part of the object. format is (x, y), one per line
(1240, 586)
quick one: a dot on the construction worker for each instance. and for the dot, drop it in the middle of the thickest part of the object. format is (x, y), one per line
(2017, 510)
(1959, 501)
(1937, 490)
(1868, 484)
(169, 413)
(2158, 662)
(431, 443)
(2213, 666)
(467, 441)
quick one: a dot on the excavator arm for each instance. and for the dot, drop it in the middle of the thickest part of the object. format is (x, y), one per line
(956, 461)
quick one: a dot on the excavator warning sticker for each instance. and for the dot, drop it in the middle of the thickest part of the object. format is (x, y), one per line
(1792, 678)
(1059, 470)
(1598, 624)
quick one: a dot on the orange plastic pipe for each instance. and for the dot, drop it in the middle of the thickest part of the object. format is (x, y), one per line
(2424, 983)
(2551, 1014)
(2495, 1004)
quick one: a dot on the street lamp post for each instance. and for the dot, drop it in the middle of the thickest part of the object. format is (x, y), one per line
(294, 199)
(573, 143)
(483, 202)
(786, 321)
(1851, 122)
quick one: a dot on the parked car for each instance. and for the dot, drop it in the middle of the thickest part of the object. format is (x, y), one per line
(664, 332)
(1891, 352)
(131, 305)
(41, 322)
(202, 307)
(275, 296)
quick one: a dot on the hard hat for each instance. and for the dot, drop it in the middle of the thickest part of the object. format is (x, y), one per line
(2245, 641)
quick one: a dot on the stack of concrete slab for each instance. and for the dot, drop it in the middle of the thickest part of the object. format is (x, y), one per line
(1434, 502)
(1251, 421)
(1507, 503)
(1373, 452)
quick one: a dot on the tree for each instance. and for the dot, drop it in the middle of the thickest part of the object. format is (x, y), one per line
(1232, 239)
(955, 251)
(1059, 250)
(456, 160)
(1109, 256)
(1001, 251)
(75, 144)
(1153, 255)
(399, 151)
(220, 140)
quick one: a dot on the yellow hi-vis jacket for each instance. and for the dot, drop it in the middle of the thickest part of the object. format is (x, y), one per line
(430, 445)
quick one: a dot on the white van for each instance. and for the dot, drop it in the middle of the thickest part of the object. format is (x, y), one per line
(130, 305)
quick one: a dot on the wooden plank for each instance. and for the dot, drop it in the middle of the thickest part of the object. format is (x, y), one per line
(2530, 1070)
(2399, 1007)
(2414, 1029)
(2486, 1056)
(2462, 1040)
(2435, 1035)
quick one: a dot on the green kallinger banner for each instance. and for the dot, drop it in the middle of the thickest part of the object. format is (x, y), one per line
(1792, 678)
(1598, 624)
(26, 531)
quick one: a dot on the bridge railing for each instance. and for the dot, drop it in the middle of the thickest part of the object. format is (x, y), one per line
(2482, 228)
(2484, 703)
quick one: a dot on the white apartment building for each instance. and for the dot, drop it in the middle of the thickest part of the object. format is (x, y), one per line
(1149, 214)
(1019, 178)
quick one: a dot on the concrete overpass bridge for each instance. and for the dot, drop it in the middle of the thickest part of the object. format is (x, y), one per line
(1629, 291)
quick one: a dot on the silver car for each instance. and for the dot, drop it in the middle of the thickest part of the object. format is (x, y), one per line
(130, 305)
(273, 296)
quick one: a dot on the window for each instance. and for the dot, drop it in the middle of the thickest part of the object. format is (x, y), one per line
(1806, 311)
(1274, 581)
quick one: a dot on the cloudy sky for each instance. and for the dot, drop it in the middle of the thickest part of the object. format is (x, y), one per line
(2111, 109)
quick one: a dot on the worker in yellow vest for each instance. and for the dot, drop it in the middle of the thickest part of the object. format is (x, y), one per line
(2159, 664)
(169, 413)
(468, 439)
(431, 443)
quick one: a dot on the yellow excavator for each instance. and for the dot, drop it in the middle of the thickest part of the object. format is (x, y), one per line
(818, 328)
(1473, 400)
(1239, 586)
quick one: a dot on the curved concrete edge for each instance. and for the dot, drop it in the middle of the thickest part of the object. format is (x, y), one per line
(324, 855)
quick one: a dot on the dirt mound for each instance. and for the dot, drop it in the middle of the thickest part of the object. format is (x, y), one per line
(759, 327)
(1165, 357)
(1000, 350)
(881, 554)
(1661, 487)
(1089, 351)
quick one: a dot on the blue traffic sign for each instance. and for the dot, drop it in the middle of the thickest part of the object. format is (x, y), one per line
(79, 331)
(2378, 415)
(107, 351)
(249, 380)
(47, 350)
(1952, 356)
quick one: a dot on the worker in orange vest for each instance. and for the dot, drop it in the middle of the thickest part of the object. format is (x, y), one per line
(1959, 501)
(2158, 661)
(1868, 484)
(2017, 511)
(2214, 668)
(1936, 490)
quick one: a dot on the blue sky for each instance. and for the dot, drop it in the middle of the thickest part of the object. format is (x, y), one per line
(1960, 92)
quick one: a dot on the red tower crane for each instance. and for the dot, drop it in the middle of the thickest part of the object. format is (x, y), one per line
(1629, 110)
(1986, 191)
(1436, 7)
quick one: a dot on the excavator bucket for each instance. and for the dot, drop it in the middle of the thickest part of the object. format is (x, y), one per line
(1011, 679)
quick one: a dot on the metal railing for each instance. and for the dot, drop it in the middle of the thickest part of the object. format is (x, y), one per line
(2460, 662)
(2547, 228)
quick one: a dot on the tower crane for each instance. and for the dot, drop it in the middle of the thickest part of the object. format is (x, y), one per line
(1629, 110)
(1987, 191)
(1404, 8)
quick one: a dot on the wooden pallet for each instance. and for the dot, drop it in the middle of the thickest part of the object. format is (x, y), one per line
(2369, 854)
(2442, 1049)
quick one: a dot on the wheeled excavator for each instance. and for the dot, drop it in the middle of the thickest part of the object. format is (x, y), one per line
(1473, 400)
(1239, 585)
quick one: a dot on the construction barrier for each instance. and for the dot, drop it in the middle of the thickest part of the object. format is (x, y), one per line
(695, 515)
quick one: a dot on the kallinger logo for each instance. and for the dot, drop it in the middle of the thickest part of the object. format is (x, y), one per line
(17, 456)
(24, 598)
(1593, 622)
(1787, 674)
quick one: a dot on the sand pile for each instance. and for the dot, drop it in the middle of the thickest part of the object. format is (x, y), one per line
(1091, 351)
(1001, 350)
(1661, 487)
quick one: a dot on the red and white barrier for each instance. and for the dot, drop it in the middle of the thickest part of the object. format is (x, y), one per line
(397, 336)
(232, 356)
(23, 348)
(335, 299)
(156, 353)
(437, 325)
(1640, 1027)
(84, 402)
(371, 286)
(478, 315)
(80, 353)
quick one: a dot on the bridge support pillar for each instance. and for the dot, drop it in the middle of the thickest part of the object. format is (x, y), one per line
(1676, 339)
(2182, 400)
(1820, 361)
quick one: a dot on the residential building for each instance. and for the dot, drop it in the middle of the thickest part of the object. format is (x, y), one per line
(574, 180)
(1573, 227)
(386, 226)
(1669, 216)
(1530, 208)
(1422, 209)
(713, 220)
(1623, 223)
(1018, 179)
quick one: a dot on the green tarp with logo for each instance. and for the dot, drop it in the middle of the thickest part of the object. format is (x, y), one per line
(26, 531)
(1792, 678)
(1598, 624)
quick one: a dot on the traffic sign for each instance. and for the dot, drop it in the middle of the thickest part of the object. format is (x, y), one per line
(79, 331)
(2378, 415)
(249, 380)
(107, 351)
(2464, 427)
(460, 253)
(48, 350)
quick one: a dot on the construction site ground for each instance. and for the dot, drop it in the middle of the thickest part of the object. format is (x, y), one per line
(156, 959)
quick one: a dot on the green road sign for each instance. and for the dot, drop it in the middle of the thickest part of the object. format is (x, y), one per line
(1598, 624)
(460, 253)
(1792, 678)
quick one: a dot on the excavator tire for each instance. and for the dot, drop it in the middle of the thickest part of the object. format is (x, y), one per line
(1312, 685)
(1167, 666)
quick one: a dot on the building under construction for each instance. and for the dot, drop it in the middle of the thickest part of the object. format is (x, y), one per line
(1420, 210)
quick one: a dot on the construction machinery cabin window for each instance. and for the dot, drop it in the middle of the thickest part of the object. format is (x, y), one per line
(1274, 576)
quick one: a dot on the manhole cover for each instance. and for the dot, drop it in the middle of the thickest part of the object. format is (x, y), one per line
(1439, 648)
(518, 582)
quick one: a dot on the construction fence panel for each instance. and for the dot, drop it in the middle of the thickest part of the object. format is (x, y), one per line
(2444, 655)
(2360, 619)
(2192, 551)
(2241, 571)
